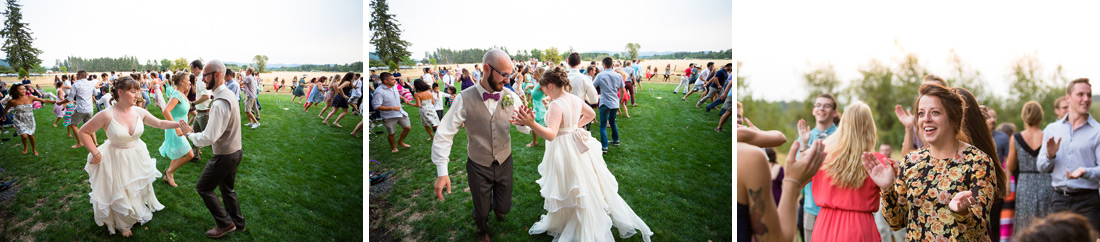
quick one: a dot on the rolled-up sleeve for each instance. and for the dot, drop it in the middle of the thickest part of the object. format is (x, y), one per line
(219, 113)
(1043, 163)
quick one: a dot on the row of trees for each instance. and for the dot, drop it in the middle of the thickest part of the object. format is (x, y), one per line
(352, 67)
(724, 54)
(882, 86)
(124, 63)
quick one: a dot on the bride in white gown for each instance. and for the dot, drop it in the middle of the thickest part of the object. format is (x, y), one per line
(581, 196)
(120, 171)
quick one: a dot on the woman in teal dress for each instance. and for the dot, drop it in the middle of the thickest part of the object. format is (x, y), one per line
(175, 145)
(537, 98)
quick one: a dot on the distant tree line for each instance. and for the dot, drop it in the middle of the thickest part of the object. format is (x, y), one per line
(725, 54)
(352, 67)
(105, 64)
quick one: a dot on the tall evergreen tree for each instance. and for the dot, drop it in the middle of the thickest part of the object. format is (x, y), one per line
(18, 40)
(386, 36)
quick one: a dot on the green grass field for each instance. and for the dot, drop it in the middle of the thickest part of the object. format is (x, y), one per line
(673, 169)
(298, 181)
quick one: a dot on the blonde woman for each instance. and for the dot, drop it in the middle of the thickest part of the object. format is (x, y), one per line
(843, 189)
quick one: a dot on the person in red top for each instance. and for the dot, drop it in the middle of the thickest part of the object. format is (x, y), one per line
(687, 72)
(843, 189)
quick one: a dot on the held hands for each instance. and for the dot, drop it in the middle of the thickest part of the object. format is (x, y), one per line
(881, 174)
(804, 168)
(184, 128)
(1052, 146)
(440, 182)
(523, 116)
(961, 202)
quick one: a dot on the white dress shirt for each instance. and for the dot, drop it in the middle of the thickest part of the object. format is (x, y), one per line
(219, 111)
(453, 119)
(582, 86)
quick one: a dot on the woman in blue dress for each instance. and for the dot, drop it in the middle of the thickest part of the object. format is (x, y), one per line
(317, 95)
(538, 102)
(298, 92)
(175, 145)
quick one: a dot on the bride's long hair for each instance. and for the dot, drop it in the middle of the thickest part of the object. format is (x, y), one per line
(856, 134)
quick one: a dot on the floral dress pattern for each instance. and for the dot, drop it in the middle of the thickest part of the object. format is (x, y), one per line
(925, 185)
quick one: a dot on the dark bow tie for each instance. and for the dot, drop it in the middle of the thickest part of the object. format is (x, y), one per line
(486, 96)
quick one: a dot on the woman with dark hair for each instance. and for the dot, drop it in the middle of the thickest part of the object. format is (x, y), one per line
(316, 95)
(341, 90)
(424, 100)
(298, 92)
(120, 171)
(980, 134)
(467, 81)
(22, 110)
(942, 191)
(59, 108)
(579, 193)
(330, 96)
(175, 145)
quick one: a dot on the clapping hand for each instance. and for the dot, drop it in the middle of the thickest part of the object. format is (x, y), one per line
(803, 131)
(804, 168)
(524, 116)
(904, 116)
(1052, 146)
(881, 174)
(1076, 173)
(961, 202)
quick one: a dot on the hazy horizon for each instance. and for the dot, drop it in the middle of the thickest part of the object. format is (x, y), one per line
(776, 50)
(288, 32)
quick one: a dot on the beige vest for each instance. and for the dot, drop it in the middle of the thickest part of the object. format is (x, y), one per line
(229, 141)
(487, 134)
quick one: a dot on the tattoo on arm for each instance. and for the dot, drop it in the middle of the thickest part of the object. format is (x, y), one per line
(756, 212)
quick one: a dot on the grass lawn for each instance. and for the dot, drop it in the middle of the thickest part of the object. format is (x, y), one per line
(298, 181)
(673, 169)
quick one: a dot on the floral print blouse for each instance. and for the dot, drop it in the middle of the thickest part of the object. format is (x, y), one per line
(924, 187)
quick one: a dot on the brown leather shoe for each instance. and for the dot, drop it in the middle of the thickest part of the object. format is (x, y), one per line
(483, 237)
(218, 232)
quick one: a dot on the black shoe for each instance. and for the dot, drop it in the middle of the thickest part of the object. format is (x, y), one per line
(605, 150)
(616, 143)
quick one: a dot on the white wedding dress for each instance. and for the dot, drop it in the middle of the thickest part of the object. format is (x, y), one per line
(581, 196)
(122, 182)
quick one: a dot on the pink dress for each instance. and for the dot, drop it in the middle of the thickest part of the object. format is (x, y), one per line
(846, 214)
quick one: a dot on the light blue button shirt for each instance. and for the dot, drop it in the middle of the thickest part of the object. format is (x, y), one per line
(1079, 148)
(807, 192)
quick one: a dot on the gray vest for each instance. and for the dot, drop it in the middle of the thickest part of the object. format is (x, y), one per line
(230, 139)
(487, 134)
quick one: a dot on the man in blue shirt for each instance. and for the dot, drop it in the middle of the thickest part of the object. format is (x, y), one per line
(824, 112)
(717, 83)
(609, 83)
(1073, 168)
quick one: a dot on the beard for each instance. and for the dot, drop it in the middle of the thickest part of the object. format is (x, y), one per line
(494, 86)
(210, 85)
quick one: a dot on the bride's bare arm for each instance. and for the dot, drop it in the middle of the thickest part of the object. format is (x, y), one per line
(99, 121)
(155, 122)
(587, 114)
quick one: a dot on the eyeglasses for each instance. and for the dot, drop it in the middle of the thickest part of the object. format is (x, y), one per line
(210, 74)
(822, 105)
(505, 75)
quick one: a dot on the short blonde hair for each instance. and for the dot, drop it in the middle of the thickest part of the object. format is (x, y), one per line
(1032, 113)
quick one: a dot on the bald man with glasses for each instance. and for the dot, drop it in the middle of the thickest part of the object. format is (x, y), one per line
(487, 110)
